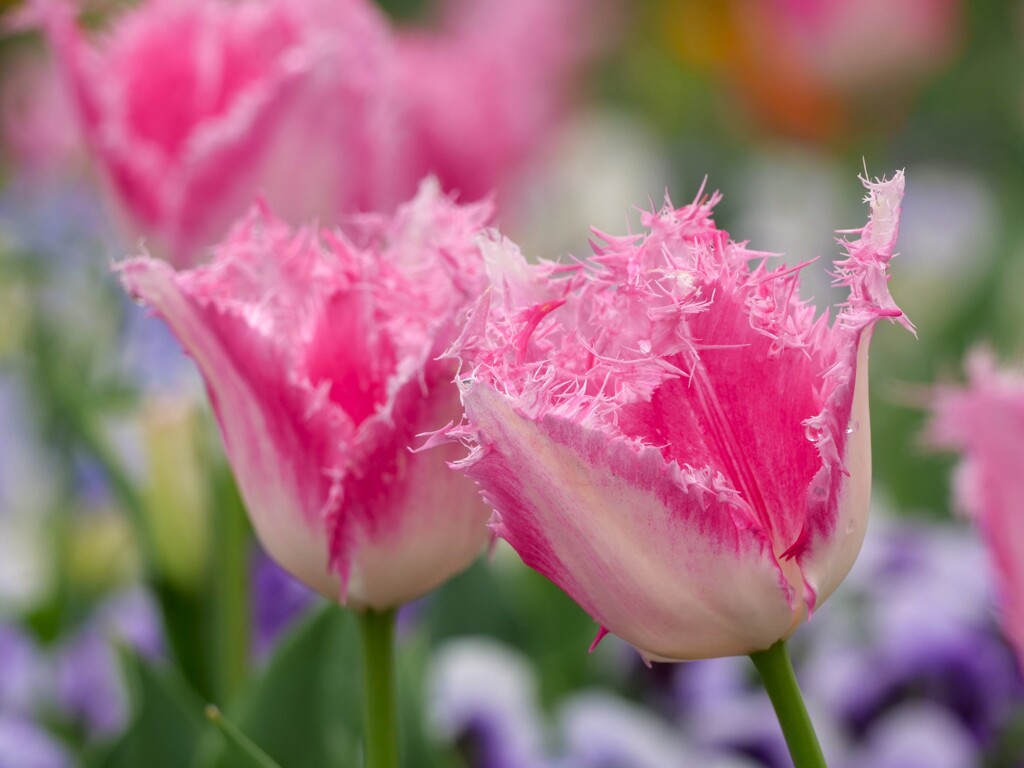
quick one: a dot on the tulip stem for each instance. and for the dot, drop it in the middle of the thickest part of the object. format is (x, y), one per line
(777, 674)
(377, 630)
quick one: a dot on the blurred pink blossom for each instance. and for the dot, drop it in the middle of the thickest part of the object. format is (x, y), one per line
(863, 44)
(984, 421)
(671, 435)
(37, 123)
(320, 356)
(488, 84)
(193, 108)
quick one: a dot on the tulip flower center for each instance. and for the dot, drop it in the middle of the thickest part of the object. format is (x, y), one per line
(350, 356)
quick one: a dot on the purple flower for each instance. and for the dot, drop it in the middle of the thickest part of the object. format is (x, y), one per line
(20, 673)
(919, 735)
(600, 730)
(483, 696)
(88, 682)
(278, 599)
(23, 744)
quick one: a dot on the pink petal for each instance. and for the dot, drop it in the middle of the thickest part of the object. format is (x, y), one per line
(649, 550)
(489, 84)
(985, 422)
(278, 448)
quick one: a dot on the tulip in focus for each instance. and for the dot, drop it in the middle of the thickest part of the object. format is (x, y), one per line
(320, 358)
(671, 435)
(985, 422)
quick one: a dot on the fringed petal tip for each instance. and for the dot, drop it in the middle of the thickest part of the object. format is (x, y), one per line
(864, 270)
(602, 633)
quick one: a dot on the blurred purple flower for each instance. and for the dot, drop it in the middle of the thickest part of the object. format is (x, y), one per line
(21, 672)
(600, 730)
(88, 683)
(721, 707)
(919, 735)
(278, 599)
(916, 624)
(483, 697)
(23, 744)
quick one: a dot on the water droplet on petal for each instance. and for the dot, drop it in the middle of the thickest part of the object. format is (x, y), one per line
(812, 431)
(852, 427)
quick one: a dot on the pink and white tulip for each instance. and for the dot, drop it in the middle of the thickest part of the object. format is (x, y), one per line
(671, 435)
(984, 421)
(192, 108)
(490, 83)
(320, 359)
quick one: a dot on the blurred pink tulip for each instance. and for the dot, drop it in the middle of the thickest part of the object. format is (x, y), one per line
(488, 85)
(671, 435)
(985, 422)
(320, 360)
(858, 45)
(192, 108)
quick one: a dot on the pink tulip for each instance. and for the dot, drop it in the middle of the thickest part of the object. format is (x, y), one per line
(985, 422)
(861, 45)
(193, 107)
(671, 435)
(320, 359)
(489, 84)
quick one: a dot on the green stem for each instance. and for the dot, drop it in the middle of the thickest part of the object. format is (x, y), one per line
(377, 631)
(780, 682)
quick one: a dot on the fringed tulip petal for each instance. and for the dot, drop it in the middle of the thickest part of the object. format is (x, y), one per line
(319, 355)
(985, 422)
(634, 540)
(670, 434)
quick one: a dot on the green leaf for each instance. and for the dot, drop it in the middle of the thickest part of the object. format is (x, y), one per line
(303, 711)
(167, 723)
